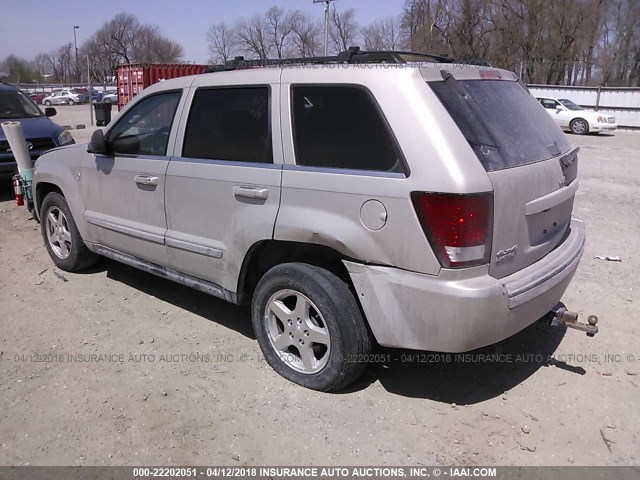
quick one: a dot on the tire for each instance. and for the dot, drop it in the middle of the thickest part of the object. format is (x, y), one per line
(70, 102)
(61, 237)
(579, 126)
(47, 103)
(312, 303)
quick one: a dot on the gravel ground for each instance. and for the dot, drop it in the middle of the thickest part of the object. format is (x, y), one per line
(181, 379)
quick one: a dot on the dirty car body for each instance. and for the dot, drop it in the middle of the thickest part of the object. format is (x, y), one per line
(443, 222)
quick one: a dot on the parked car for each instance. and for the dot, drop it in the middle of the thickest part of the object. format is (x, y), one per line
(575, 118)
(347, 206)
(38, 96)
(110, 96)
(96, 95)
(40, 133)
(65, 97)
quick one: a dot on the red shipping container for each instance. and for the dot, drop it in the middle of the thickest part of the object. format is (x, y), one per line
(132, 78)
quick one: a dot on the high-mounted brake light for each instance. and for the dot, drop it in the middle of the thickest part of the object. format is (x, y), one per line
(458, 226)
(490, 75)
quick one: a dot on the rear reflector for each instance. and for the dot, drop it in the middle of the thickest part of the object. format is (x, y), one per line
(457, 226)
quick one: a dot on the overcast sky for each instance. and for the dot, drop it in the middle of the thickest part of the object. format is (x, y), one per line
(29, 27)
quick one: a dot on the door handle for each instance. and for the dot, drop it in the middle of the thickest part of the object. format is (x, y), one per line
(146, 180)
(250, 192)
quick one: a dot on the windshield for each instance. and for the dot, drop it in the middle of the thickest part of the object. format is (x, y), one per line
(15, 104)
(569, 104)
(501, 121)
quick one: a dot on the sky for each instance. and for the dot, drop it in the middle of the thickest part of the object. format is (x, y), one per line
(29, 27)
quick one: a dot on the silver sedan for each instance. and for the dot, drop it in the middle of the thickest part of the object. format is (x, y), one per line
(64, 97)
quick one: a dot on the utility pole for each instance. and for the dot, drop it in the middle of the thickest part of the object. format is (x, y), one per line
(326, 24)
(90, 91)
(75, 44)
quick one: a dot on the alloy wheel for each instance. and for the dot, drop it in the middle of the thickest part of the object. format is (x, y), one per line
(297, 331)
(58, 232)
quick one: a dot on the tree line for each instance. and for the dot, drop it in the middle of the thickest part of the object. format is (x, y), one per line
(570, 42)
(123, 39)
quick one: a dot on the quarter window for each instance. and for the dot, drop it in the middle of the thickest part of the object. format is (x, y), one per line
(342, 127)
(144, 130)
(230, 124)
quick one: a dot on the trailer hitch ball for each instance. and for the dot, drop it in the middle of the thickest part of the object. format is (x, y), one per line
(562, 316)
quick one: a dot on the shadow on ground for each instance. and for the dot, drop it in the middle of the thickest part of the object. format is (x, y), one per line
(448, 378)
(470, 377)
(6, 187)
(234, 317)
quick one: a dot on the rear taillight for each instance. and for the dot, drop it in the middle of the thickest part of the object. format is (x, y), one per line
(458, 226)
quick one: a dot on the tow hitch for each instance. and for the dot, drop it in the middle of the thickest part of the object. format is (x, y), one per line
(561, 316)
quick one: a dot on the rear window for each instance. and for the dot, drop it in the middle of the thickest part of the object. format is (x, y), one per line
(503, 123)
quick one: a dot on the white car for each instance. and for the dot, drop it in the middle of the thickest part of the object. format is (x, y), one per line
(578, 120)
(64, 97)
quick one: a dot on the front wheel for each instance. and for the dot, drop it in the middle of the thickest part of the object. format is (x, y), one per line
(309, 327)
(47, 103)
(61, 237)
(579, 126)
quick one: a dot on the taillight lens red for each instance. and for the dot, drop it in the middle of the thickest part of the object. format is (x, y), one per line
(458, 226)
(490, 75)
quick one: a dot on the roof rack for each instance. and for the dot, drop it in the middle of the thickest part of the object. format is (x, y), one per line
(351, 56)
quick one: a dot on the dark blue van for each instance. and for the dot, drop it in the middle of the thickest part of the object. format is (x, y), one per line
(40, 132)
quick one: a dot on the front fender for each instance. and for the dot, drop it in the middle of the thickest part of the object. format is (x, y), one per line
(62, 168)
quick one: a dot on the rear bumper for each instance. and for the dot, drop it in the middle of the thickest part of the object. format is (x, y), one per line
(458, 311)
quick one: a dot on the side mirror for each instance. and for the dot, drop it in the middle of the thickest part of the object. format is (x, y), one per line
(559, 108)
(97, 144)
(50, 112)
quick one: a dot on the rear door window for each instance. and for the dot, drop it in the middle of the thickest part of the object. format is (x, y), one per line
(502, 122)
(342, 127)
(230, 124)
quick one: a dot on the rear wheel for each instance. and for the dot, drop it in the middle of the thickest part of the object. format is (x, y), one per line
(579, 126)
(309, 327)
(70, 101)
(61, 237)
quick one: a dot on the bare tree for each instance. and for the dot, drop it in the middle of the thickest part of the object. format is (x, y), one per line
(151, 47)
(382, 34)
(305, 35)
(342, 29)
(20, 70)
(60, 63)
(280, 26)
(253, 37)
(125, 40)
(118, 36)
(222, 42)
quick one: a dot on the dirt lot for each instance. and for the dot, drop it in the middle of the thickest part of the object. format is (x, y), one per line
(184, 381)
